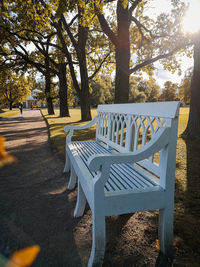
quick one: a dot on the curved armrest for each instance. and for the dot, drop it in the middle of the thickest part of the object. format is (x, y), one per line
(88, 125)
(158, 141)
(72, 128)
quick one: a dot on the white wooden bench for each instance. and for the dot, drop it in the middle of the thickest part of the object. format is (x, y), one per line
(128, 168)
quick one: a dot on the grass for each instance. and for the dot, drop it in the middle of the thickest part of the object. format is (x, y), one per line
(187, 189)
(5, 113)
(57, 124)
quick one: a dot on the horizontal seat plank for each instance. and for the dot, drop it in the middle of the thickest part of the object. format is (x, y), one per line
(122, 177)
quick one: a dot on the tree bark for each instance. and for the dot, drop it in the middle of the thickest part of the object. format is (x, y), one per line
(64, 110)
(121, 42)
(84, 94)
(193, 126)
(48, 94)
(10, 105)
(85, 109)
(122, 55)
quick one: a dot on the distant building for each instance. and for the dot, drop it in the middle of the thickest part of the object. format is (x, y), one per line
(33, 100)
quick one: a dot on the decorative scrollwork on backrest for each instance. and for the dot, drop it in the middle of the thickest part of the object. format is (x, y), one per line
(102, 124)
(129, 132)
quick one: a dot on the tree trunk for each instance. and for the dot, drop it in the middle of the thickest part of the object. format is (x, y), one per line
(193, 126)
(64, 111)
(122, 55)
(85, 106)
(84, 94)
(48, 94)
(80, 47)
(10, 105)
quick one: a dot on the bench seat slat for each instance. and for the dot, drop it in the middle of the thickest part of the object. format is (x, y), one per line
(85, 151)
(126, 168)
(122, 176)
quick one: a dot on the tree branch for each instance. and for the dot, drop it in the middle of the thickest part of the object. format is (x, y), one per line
(66, 26)
(45, 54)
(99, 67)
(40, 67)
(69, 57)
(106, 29)
(72, 21)
(152, 60)
(133, 6)
(140, 25)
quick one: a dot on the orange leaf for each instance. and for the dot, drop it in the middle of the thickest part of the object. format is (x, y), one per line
(157, 244)
(24, 257)
(2, 149)
(5, 158)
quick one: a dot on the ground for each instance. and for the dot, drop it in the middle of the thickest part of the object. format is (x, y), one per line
(37, 208)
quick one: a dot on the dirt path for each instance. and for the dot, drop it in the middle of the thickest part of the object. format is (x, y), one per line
(35, 206)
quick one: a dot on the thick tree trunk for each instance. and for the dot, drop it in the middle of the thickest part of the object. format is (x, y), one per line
(122, 55)
(48, 94)
(84, 94)
(64, 110)
(193, 126)
(85, 108)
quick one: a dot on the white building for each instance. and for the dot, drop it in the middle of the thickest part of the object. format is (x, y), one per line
(32, 100)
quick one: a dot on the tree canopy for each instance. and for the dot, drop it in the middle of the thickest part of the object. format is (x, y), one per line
(14, 87)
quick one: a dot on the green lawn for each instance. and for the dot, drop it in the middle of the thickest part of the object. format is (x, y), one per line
(187, 189)
(4, 113)
(56, 126)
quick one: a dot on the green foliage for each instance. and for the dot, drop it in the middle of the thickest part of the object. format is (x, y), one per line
(40, 85)
(169, 91)
(102, 91)
(143, 90)
(184, 88)
(14, 87)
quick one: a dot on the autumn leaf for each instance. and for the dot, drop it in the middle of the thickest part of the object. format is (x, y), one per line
(24, 257)
(157, 244)
(5, 158)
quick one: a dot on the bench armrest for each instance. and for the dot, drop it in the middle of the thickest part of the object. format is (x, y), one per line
(158, 141)
(72, 128)
(88, 125)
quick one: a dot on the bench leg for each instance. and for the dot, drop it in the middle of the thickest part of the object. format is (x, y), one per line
(67, 164)
(98, 239)
(165, 231)
(80, 203)
(72, 179)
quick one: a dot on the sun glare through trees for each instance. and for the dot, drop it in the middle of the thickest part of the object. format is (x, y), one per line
(191, 21)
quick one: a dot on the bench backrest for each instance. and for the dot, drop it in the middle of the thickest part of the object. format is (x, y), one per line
(127, 127)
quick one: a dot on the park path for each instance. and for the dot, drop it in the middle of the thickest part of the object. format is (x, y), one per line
(35, 206)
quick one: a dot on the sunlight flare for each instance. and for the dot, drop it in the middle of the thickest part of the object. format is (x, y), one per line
(191, 21)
